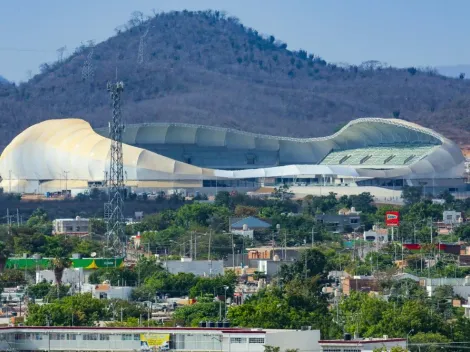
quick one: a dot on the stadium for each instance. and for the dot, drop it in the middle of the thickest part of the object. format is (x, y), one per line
(372, 153)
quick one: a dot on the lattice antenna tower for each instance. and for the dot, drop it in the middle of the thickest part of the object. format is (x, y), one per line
(88, 71)
(140, 54)
(115, 234)
(60, 53)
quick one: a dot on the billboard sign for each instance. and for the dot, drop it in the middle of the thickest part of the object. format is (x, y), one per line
(392, 218)
(161, 341)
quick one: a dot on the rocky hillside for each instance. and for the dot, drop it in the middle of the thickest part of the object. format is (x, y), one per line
(205, 68)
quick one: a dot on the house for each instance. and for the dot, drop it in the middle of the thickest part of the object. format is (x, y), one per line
(359, 283)
(75, 227)
(345, 221)
(106, 291)
(247, 226)
(376, 235)
(451, 217)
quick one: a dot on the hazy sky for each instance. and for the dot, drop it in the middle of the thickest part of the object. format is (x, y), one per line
(399, 32)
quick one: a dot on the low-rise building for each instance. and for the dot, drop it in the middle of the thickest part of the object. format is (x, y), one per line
(28, 338)
(106, 291)
(196, 267)
(452, 217)
(361, 345)
(359, 283)
(73, 227)
(342, 222)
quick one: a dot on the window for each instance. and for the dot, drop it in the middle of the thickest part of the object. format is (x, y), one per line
(57, 336)
(126, 337)
(71, 336)
(90, 337)
(37, 336)
(256, 340)
(352, 350)
(104, 337)
(136, 337)
(238, 340)
(331, 350)
(354, 221)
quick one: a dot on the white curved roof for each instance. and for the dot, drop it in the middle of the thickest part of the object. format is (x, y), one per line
(45, 150)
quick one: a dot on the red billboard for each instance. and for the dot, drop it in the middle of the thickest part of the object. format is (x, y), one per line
(392, 218)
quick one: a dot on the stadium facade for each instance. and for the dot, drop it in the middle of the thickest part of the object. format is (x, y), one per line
(60, 153)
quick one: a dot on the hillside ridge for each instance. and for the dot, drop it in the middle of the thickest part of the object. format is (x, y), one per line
(207, 68)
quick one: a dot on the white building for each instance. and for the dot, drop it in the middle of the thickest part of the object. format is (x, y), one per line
(137, 339)
(72, 276)
(196, 267)
(77, 226)
(361, 345)
(451, 217)
(106, 291)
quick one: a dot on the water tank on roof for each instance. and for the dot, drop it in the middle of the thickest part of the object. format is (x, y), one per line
(36, 256)
(25, 255)
(76, 256)
(210, 324)
(276, 258)
(347, 337)
(202, 324)
(220, 324)
(245, 227)
(77, 218)
(226, 324)
(353, 210)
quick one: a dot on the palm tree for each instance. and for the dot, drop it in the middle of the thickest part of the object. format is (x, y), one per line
(3, 256)
(60, 264)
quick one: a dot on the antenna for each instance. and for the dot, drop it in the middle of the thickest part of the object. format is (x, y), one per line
(114, 208)
(140, 54)
(60, 53)
(88, 71)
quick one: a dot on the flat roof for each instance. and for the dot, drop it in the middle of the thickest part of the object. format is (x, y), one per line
(363, 341)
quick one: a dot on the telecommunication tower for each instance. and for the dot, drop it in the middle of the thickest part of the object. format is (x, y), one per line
(115, 234)
(88, 71)
(140, 54)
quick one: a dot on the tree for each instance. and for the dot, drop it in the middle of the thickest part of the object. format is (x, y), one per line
(396, 114)
(59, 265)
(462, 75)
(4, 253)
(312, 262)
(83, 309)
(411, 194)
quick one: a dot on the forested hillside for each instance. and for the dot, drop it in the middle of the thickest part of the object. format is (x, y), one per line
(206, 68)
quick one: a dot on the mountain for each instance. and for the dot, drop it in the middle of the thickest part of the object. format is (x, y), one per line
(454, 71)
(3, 80)
(205, 68)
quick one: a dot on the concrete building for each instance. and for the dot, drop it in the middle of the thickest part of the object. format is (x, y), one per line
(339, 222)
(27, 338)
(270, 268)
(196, 267)
(73, 227)
(460, 286)
(72, 276)
(451, 217)
(361, 345)
(106, 291)
(359, 283)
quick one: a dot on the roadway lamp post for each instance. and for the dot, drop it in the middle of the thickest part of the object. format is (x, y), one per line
(225, 299)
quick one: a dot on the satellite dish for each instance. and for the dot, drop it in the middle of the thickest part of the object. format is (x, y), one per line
(93, 254)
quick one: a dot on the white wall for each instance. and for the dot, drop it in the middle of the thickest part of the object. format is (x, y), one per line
(70, 276)
(303, 340)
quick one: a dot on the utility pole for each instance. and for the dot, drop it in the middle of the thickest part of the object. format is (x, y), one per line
(66, 173)
(209, 254)
(114, 208)
(313, 235)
